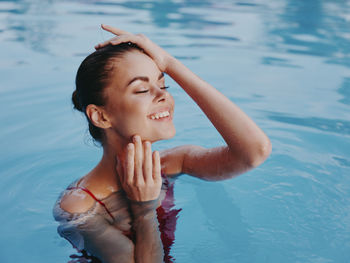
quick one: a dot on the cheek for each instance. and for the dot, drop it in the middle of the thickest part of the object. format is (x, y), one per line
(132, 114)
(136, 108)
(171, 98)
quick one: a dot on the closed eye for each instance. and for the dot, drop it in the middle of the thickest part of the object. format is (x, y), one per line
(142, 91)
(145, 91)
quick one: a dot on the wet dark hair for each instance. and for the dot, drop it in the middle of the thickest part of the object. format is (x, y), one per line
(93, 77)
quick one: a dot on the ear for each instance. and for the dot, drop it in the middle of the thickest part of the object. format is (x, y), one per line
(98, 116)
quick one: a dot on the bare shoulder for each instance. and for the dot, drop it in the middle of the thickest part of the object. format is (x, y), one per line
(76, 201)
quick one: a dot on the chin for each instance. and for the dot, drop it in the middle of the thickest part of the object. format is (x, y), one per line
(167, 136)
(170, 135)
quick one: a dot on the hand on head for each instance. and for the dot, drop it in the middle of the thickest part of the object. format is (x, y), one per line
(159, 55)
(139, 171)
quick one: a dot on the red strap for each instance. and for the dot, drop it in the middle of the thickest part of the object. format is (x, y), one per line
(93, 196)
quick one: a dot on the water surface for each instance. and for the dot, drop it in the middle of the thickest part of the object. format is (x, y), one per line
(285, 63)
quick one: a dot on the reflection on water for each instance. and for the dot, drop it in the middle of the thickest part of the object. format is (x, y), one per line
(24, 26)
(310, 28)
(340, 127)
(280, 62)
(286, 63)
(344, 90)
(238, 239)
(165, 14)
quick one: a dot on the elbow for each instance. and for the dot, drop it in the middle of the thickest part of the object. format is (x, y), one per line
(261, 153)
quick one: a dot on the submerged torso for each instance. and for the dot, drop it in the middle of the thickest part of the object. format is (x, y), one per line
(111, 223)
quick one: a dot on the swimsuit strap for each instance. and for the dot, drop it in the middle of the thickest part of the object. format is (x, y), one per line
(93, 196)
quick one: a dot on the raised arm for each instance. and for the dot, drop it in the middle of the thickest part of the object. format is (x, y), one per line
(247, 145)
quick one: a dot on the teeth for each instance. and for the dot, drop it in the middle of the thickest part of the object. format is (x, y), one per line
(160, 115)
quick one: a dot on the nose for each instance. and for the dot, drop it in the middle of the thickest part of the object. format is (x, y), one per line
(160, 94)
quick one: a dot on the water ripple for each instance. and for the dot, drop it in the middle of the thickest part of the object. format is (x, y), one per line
(341, 127)
(344, 90)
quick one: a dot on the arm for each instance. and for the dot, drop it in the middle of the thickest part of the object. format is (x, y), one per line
(148, 246)
(208, 164)
(247, 145)
(106, 242)
(245, 140)
(139, 173)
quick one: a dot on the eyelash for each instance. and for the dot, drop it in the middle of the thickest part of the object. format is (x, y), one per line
(144, 91)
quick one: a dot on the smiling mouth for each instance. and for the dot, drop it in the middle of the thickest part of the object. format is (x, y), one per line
(162, 115)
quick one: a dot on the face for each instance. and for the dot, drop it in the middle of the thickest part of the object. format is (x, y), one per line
(137, 102)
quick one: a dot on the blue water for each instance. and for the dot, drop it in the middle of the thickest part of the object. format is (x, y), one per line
(286, 63)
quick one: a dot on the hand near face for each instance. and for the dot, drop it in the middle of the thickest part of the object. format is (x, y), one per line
(140, 171)
(159, 55)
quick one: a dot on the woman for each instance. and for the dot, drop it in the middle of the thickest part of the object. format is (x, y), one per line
(111, 212)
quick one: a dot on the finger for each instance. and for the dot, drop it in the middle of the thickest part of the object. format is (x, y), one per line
(107, 42)
(114, 30)
(147, 163)
(129, 167)
(138, 159)
(125, 39)
(156, 167)
(120, 39)
(120, 173)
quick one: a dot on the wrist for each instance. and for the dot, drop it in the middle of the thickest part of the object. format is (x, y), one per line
(170, 62)
(141, 208)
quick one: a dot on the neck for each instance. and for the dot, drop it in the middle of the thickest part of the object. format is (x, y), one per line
(108, 163)
(103, 179)
(104, 175)
(109, 159)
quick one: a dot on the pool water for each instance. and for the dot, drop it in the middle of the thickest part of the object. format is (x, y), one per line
(286, 63)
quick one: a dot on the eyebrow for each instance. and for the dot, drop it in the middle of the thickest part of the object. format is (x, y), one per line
(144, 78)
